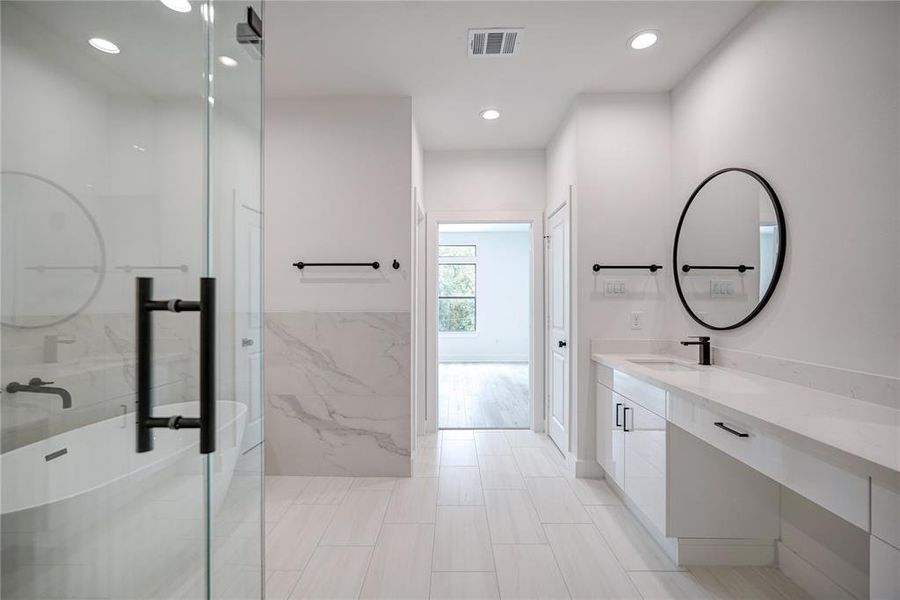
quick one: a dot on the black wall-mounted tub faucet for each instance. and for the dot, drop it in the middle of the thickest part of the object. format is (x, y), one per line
(705, 350)
(36, 386)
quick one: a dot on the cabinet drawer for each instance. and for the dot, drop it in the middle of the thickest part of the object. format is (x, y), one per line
(650, 397)
(839, 490)
(603, 375)
(886, 508)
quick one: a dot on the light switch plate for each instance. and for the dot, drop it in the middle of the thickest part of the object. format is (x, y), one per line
(614, 287)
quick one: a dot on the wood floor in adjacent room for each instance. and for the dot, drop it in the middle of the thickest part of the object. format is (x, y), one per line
(487, 514)
(483, 396)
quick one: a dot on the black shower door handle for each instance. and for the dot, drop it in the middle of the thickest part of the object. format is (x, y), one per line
(145, 306)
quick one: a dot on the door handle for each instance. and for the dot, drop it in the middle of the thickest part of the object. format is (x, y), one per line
(144, 309)
(625, 419)
(561, 344)
(618, 406)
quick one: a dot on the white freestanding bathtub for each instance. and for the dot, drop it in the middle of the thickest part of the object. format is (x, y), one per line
(85, 516)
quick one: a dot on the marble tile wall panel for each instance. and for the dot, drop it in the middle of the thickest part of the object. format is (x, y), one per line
(95, 363)
(338, 393)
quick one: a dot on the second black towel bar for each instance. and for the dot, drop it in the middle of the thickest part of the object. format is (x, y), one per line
(738, 268)
(651, 268)
(375, 264)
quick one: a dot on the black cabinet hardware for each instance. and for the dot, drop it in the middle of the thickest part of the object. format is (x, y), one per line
(652, 268)
(395, 264)
(618, 406)
(741, 434)
(738, 268)
(625, 419)
(375, 265)
(561, 344)
(144, 309)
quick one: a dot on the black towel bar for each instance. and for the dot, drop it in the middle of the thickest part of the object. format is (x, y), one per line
(652, 268)
(738, 268)
(302, 265)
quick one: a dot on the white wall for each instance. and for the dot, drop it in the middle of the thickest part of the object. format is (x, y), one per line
(614, 149)
(485, 180)
(419, 279)
(503, 300)
(561, 163)
(338, 173)
(807, 95)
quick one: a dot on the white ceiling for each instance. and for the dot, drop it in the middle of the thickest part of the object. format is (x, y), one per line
(419, 49)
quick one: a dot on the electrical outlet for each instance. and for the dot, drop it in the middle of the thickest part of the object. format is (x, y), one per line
(614, 287)
(637, 319)
(721, 287)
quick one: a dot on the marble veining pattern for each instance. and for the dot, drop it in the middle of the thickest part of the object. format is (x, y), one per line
(94, 361)
(337, 393)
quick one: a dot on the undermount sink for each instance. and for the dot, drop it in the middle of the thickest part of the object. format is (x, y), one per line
(662, 364)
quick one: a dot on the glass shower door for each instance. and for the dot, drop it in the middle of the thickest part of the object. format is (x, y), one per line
(130, 140)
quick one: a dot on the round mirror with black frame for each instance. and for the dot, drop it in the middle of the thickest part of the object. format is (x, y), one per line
(729, 248)
(53, 252)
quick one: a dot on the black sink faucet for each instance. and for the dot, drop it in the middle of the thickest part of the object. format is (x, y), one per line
(36, 386)
(705, 351)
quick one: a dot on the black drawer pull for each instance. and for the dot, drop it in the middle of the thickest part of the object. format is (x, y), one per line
(721, 425)
(625, 419)
(618, 405)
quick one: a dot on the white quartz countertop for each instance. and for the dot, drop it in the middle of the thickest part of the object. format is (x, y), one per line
(862, 429)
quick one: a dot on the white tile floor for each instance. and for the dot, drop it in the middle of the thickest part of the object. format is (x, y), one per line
(488, 514)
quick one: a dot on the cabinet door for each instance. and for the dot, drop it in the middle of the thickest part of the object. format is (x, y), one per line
(610, 440)
(645, 462)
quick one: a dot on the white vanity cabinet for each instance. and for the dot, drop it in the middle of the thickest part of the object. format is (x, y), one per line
(610, 434)
(631, 441)
(681, 488)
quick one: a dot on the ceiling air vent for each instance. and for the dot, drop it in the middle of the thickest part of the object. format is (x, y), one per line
(498, 41)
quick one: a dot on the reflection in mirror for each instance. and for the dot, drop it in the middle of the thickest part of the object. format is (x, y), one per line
(729, 248)
(53, 252)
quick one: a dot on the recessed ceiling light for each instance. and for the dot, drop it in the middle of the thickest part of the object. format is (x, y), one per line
(489, 114)
(643, 40)
(181, 6)
(104, 45)
(227, 61)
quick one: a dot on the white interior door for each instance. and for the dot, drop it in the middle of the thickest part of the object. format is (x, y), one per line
(558, 334)
(248, 319)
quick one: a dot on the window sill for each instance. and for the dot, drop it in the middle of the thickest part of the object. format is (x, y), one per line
(460, 334)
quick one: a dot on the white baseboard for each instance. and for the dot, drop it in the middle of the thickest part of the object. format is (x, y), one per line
(808, 577)
(723, 552)
(589, 469)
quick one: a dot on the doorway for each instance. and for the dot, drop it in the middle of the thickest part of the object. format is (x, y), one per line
(486, 294)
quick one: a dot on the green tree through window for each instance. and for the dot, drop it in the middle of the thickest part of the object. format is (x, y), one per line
(456, 297)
